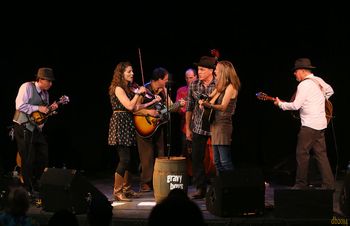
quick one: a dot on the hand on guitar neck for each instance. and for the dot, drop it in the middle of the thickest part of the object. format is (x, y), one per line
(264, 96)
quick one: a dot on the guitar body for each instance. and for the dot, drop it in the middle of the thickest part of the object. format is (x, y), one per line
(146, 126)
(38, 117)
(328, 108)
(208, 115)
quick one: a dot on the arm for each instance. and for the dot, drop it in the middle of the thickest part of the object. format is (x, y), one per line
(24, 93)
(140, 106)
(124, 99)
(181, 95)
(188, 125)
(147, 112)
(230, 93)
(300, 98)
(328, 90)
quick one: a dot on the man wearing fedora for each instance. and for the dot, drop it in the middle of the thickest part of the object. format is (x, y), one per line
(31, 143)
(197, 130)
(310, 96)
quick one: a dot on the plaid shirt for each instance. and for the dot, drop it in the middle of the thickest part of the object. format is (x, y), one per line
(196, 88)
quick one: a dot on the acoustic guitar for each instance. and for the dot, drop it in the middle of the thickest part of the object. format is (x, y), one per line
(295, 114)
(146, 126)
(38, 118)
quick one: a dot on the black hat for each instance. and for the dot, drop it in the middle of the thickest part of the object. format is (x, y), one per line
(206, 61)
(45, 73)
(302, 63)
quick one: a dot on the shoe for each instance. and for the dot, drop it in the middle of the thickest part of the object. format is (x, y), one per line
(145, 188)
(199, 194)
(132, 194)
(121, 197)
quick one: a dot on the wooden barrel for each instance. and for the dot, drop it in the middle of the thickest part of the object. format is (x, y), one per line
(169, 173)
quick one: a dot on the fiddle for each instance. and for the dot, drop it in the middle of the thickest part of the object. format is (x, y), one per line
(134, 87)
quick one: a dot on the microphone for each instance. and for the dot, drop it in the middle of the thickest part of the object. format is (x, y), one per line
(170, 81)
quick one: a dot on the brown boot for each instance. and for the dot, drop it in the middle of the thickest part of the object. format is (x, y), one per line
(118, 189)
(127, 187)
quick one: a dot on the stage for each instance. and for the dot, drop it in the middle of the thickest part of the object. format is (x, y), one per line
(137, 211)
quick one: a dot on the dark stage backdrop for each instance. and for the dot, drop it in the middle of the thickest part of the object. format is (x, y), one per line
(83, 58)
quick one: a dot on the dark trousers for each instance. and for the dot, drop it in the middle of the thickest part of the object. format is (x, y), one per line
(33, 149)
(311, 139)
(149, 149)
(199, 143)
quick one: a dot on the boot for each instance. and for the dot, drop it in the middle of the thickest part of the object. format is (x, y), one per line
(127, 187)
(118, 189)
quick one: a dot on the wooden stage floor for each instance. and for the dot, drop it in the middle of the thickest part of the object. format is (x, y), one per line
(137, 211)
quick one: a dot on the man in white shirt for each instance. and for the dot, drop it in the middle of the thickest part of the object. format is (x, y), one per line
(310, 98)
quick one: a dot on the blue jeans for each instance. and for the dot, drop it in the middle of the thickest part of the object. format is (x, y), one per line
(222, 158)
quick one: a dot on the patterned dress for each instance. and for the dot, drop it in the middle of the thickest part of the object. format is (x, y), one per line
(121, 125)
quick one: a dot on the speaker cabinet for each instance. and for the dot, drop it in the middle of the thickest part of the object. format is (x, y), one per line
(67, 189)
(307, 203)
(236, 193)
(344, 196)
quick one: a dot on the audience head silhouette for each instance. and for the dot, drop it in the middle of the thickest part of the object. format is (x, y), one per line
(18, 201)
(176, 209)
(100, 211)
(63, 217)
(16, 209)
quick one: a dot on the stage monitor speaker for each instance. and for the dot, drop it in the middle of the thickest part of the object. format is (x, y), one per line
(237, 193)
(67, 189)
(303, 203)
(344, 196)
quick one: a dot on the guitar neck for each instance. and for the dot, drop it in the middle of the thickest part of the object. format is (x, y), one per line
(263, 96)
(175, 106)
(270, 98)
(59, 102)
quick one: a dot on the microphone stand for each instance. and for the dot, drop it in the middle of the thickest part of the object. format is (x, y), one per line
(168, 137)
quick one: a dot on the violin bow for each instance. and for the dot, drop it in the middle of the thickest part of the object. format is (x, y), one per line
(140, 58)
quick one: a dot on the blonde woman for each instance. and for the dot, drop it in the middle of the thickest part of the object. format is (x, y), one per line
(223, 105)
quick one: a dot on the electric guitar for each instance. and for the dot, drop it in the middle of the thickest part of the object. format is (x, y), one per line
(146, 126)
(295, 114)
(38, 118)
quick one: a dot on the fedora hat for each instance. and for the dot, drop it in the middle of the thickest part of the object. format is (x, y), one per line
(302, 63)
(45, 73)
(207, 62)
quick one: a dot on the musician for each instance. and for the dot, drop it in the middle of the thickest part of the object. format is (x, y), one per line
(223, 102)
(31, 141)
(310, 101)
(196, 131)
(151, 147)
(181, 93)
(124, 101)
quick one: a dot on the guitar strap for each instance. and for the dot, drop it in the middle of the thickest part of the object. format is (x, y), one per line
(319, 85)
